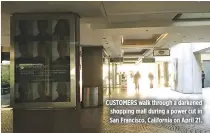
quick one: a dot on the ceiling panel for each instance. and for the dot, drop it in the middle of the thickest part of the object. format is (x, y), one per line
(208, 51)
(129, 33)
(133, 50)
(85, 8)
(141, 52)
(132, 56)
(145, 35)
(141, 7)
(129, 62)
(130, 59)
(141, 17)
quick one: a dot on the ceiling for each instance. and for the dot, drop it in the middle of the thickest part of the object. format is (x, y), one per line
(208, 51)
(106, 23)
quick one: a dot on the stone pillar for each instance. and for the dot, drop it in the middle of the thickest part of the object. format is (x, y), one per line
(92, 72)
(166, 78)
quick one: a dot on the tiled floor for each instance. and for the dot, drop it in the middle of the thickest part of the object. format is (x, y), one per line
(95, 120)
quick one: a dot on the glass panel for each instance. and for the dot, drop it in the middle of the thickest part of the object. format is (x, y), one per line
(28, 62)
(60, 63)
(5, 83)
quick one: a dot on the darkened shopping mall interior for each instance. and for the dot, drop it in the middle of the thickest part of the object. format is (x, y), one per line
(61, 61)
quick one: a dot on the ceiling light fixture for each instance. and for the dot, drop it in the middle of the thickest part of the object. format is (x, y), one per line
(122, 40)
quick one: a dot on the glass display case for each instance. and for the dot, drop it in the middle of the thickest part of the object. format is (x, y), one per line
(43, 60)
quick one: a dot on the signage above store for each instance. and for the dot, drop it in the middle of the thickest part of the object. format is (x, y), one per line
(161, 52)
(148, 60)
(116, 60)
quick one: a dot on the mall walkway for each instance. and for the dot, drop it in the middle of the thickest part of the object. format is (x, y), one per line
(93, 120)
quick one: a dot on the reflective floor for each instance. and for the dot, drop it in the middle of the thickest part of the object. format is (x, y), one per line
(96, 120)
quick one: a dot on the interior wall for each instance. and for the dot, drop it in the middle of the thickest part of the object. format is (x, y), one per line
(5, 29)
(188, 68)
(179, 73)
(206, 69)
(88, 36)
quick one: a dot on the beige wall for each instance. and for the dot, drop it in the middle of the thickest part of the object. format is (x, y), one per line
(188, 68)
(5, 29)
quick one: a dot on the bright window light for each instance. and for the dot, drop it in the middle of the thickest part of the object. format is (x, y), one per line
(5, 62)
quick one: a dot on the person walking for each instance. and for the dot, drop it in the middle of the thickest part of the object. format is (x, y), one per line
(151, 78)
(137, 77)
(203, 78)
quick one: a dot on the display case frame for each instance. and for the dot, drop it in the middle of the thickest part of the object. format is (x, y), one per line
(74, 32)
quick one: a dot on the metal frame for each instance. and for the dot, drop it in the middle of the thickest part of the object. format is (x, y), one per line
(73, 63)
(77, 60)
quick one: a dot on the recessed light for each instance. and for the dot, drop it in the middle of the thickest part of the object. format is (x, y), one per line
(147, 30)
(104, 38)
(122, 40)
(107, 43)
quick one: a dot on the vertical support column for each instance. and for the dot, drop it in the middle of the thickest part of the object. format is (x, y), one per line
(166, 78)
(109, 76)
(197, 73)
(158, 75)
(116, 82)
(120, 79)
(113, 76)
(92, 70)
